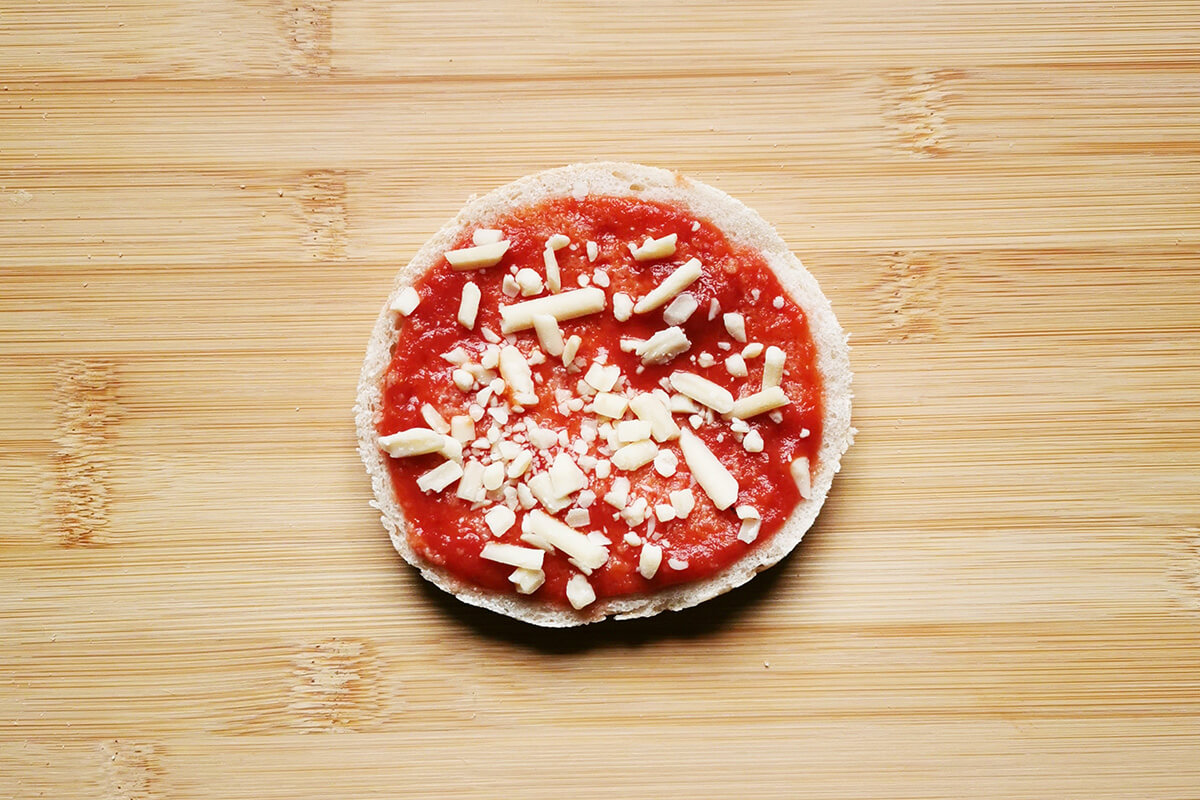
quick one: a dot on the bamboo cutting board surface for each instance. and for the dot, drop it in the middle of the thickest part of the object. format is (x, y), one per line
(202, 207)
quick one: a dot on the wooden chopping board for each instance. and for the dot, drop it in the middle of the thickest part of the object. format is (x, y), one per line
(201, 210)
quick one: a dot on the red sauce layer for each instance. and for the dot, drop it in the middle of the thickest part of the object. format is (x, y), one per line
(445, 529)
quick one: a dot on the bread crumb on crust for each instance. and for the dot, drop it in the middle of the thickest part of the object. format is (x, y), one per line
(738, 222)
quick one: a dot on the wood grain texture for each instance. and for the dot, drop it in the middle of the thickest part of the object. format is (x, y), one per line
(202, 207)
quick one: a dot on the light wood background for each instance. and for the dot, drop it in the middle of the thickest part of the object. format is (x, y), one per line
(201, 209)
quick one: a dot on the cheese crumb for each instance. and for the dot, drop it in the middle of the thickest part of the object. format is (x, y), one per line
(635, 455)
(680, 309)
(654, 248)
(759, 403)
(553, 276)
(716, 481)
(622, 306)
(777, 302)
(703, 391)
(632, 539)
(407, 301)
(478, 257)
(665, 463)
(802, 476)
(602, 378)
(579, 592)
(601, 279)
(751, 522)
(486, 236)
(570, 350)
(468, 307)
(773, 367)
(672, 285)
(618, 494)
(578, 517)
(610, 405)
(663, 346)
(593, 250)
(527, 581)
(633, 431)
(683, 501)
(558, 241)
(752, 350)
(499, 519)
(665, 512)
(651, 409)
(649, 560)
(438, 478)
(736, 365)
(753, 442)
(435, 420)
(509, 286)
(714, 308)
(548, 333)
(677, 564)
(529, 282)
(462, 428)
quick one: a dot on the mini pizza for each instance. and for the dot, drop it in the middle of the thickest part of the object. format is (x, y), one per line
(602, 390)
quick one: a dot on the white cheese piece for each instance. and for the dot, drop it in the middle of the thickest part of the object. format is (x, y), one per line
(602, 378)
(578, 517)
(441, 476)
(603, 468)
(568, 305)
(610, 405)
(478, 257)
(412, 442)
(570, 350)
(486, 236)
(682, 404)
(593, 250)
(586, 498)
(632, 539)
(759, 403)
(773, 367)
(663, 346)
(703, 391)
(683, 501)
(649, 560)
(753, 442)
(665, 463)
(525, 496)
(804, 432)
(452, 448)
(714, 308)
(777, 302)
(529, 282)
(632, 456)
(541, 438)
(509, 286)
(543, 490)
(714, 479)
(489, 335)
(586, 554)
(665, 512)
(510, 498)
(558, 241)
(515, 370)
(527, 581)
(601, 279)
(462, 428)
(491, 357)
(680, 309)
(633, 430)
(751, 522)
(631, 345)
(776, 416)
(565, 476)
(511, 554)
(493, 476)
(705, 360)
(508, 449)
(499, 413)
(672, 285)
(579, 592)
(519, 464)
(634, 514)
(735, 324)
(622, 306)
(618, 494)
(677, 564)
(553, 276)
(735, 365)
(651, 409)
(802, 476)
(655, 248)
(434, 419)
(549, 334)
(739, 426)
(499, 519)
(752, 350)
(407, 301)
(468, 307)
(458, 356)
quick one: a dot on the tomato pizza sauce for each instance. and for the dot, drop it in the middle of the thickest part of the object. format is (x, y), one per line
(737, 319)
